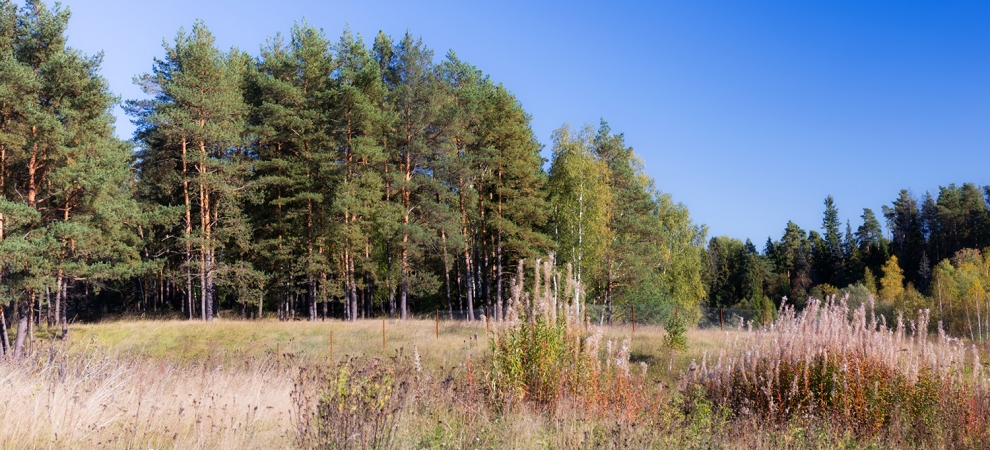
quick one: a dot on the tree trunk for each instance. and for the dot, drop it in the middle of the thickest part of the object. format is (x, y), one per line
(65, 308)
(48, 308)
(311, 290)
(404, 282)
(369, 292)
(202, 284)
(323, 294)
(210, 291)
(31, 318)
(4, 340)
(468, 272)
(389, 284)
(446, 274)
(188, 229)
(32, 192)
(3, 179)
(206, 254)
(22, 330)
(406, 207)
(160, 289)
(499, 304)
(460, 284)
(483, 262)
(350, 286)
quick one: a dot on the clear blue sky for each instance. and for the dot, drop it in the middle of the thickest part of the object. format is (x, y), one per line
(749, 113)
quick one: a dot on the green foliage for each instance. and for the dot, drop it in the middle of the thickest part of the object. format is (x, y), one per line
(316, 178)
(66, 205)
(535, 362)
(546, 354)
(675, 338)
(580, 201)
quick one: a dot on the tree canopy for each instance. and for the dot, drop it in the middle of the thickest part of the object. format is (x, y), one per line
(317, 178)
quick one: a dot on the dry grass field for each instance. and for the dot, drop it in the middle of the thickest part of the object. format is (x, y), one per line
(229, 384)
(825, 378)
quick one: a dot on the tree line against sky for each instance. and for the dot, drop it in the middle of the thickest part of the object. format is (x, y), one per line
(934, 256)
(347, 179)
(319, 178)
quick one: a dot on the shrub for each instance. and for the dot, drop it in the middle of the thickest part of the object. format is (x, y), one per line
(545, 353)
(676, 337)
(356, 406)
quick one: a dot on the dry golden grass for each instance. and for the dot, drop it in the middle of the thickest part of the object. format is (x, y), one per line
(228, 384)
(94, 400)
(233, 342)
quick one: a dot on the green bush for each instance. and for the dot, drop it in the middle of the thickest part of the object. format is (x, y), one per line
(533, 361)
(676, 337)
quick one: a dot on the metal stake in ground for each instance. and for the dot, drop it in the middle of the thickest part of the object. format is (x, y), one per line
(331, 346)
(383, 334)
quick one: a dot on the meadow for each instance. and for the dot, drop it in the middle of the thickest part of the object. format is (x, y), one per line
(826, 377)
(232, 384)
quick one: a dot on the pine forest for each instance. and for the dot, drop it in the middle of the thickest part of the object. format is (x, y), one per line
(318, 179)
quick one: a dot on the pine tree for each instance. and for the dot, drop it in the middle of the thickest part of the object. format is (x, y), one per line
(66, 215)
(630, 256)
(414, 98)
(359, 123)
(463, 161)
(195, 121)
(296, 169)
(516, 187)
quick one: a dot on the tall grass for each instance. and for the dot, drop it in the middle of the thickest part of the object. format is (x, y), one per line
(547, 352)
(825, 377)
(94, 400)
(848, 370)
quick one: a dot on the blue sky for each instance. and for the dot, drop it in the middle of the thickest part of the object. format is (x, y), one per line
(749, 113)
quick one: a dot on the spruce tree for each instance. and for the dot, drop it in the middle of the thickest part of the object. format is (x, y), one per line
(832, 255)
(908, 241)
